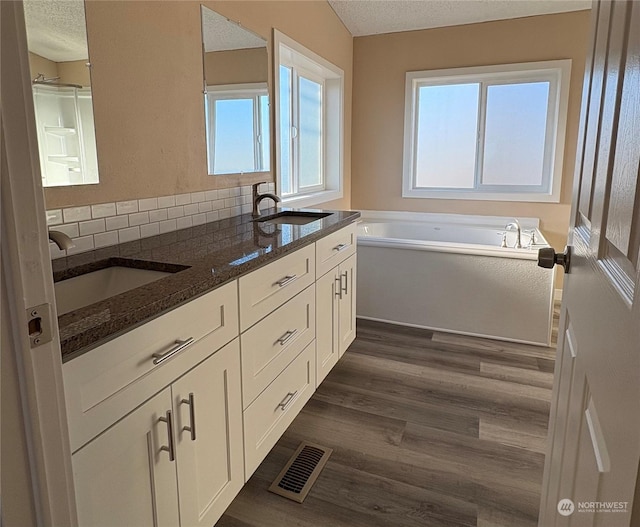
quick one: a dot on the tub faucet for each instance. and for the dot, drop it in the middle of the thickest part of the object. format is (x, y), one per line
(510, 226)
(61, 240)
(257, 198)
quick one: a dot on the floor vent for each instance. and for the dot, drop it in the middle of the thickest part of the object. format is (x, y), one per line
(301, 471)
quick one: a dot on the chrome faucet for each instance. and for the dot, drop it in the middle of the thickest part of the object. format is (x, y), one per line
(510, 226)
(257, 198)
(61, 240)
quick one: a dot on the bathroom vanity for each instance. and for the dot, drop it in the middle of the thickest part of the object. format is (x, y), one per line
(176, 390)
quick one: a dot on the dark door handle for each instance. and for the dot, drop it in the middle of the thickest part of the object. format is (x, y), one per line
(548, 257)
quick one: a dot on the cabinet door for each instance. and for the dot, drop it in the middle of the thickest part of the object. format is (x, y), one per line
(208, 410)
(123, 477)
(347, 310)
(327, 303)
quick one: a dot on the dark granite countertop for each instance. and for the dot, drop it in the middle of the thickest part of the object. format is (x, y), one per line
(209, 255)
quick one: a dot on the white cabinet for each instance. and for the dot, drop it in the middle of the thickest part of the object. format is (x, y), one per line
(335, 315)
(123, 477)
(208, 434)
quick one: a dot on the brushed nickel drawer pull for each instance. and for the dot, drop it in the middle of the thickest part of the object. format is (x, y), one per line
(179, 346)
(340, 247)
(171, 448)
(286, 280)
(191, 401)
(346, 283)
(338, 292)
(288, 399)
(287, 337)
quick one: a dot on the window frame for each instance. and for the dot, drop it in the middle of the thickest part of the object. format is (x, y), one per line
(556, 72)
(305, 63)
(221, 92)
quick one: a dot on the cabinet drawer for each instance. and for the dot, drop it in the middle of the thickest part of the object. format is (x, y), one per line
(272, 412)
(106, 383)
(333, 249)
(269, 287)
(275, 341)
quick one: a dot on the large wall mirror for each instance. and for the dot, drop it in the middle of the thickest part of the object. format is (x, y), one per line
(61, 82)
(236, 105)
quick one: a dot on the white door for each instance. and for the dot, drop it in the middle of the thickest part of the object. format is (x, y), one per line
(208, 410)
(347, 309)
(594, 437)
(125, 476)
(327, 303)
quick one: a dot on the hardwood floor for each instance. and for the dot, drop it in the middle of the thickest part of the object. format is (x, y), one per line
(428, 429)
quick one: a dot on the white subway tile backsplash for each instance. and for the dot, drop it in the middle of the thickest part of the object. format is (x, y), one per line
(130, 234)
(54, 217)
(147, 204)
(166, 201)
(183, 223)
(183, 199)
(70, 229)
(158, 215)
(245, 190)
(199, 219)
(211, 195)
(236, 211)
(138, 218)
(189, 210)
(105, 239)
(76, 214)
(167, 226)
(102, 210)
(92, 227)
(55, 251)
(127, 207)
(117, 222)
(218, 204)
(223, 193)
(246, 209)
(150, 229)
(225, 213)
(83, 244)
(234, 192)
(213, 216)
(175, 212)
(229, 202)
(205, 206)
(197, 197)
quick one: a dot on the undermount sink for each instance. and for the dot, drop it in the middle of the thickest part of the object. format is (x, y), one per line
(89, 288)
(294, 217)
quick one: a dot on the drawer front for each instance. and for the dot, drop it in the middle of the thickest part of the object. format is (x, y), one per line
(106, 383)
(270, 345)
(266, 289)
(335, 248)
(272, 412)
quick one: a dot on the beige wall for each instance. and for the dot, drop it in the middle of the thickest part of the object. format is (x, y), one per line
(380, 64)
(74, 72)
(238, 66)
(147, 91)
(38, 64)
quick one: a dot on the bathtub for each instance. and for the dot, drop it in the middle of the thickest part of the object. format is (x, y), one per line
(449, 273)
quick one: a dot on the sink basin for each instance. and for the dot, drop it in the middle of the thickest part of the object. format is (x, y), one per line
(293, 217)
(86, 289)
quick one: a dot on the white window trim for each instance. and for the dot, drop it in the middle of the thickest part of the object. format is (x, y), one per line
(559, 71)
(312, 65)
(232, 91)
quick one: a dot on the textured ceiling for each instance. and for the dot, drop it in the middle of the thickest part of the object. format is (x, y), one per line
(56, 29)
(220, 34)
(370, 17)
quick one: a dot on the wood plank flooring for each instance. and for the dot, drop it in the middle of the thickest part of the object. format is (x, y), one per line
(428, 429)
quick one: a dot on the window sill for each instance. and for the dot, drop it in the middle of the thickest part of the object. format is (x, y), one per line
(308, 200)
(532, 197)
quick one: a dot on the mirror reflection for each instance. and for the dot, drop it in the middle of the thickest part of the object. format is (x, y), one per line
(60, 73)
(236, 97)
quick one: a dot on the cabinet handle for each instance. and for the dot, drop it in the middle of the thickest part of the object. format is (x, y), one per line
(340, 247)
(338, 292)
(191, 401)
(286, 280)
(171, 448)
(287, 337)
(179, 346)
(288, 399)
(346, 283)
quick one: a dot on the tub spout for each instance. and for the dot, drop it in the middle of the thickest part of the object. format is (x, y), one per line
(515, 224)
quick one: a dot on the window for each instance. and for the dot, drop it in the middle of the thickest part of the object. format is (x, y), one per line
(309, 108)
(237, 128)
(494, 132)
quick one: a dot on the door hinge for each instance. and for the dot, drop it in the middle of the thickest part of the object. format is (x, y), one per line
(39, 324)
